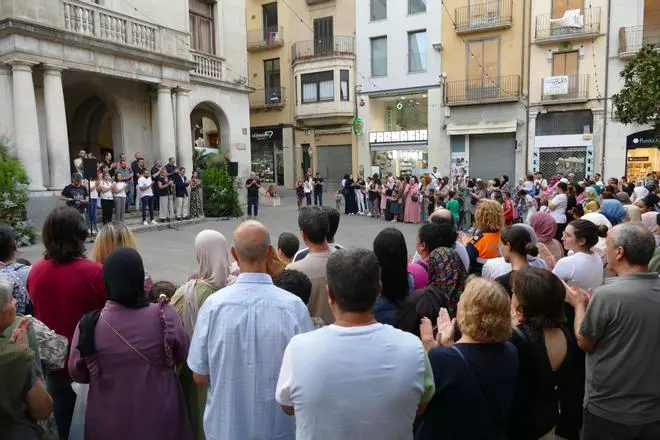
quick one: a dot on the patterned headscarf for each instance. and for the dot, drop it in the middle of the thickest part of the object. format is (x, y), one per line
(447, 272)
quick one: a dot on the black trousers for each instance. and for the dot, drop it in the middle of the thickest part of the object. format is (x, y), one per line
(598, 428)
(107, 206)
(253, 202)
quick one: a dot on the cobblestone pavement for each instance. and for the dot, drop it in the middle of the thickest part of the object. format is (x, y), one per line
(168, 254)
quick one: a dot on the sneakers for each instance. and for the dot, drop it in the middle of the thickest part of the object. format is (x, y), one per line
(145, 223)
(154, 222)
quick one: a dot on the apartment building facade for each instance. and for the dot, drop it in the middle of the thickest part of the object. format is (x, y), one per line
(301, 63)
(400, 101)
(632, 151)
(568, 86)
(484, 46)
(109, 76)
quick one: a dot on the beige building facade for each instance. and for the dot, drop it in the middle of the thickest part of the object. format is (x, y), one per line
(301, 65)
(568, 86)
(484, 47)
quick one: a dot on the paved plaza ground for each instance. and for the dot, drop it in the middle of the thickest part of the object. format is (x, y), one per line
(168, 254)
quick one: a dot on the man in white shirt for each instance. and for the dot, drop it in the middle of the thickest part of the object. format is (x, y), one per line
(356, 378)
(145, 189)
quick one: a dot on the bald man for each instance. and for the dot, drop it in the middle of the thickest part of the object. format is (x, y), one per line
(440, 216)
(239, 342)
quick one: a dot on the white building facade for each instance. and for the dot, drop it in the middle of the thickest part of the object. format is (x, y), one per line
(400, 99)
(120, 77)
(630, 150)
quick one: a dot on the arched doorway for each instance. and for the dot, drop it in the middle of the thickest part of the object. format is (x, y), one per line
(93, 122)
(210, 128)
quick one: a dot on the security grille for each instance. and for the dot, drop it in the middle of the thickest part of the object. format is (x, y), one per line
(563, 160)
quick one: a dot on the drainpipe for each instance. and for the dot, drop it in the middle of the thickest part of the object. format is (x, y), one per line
(607, 80)
(529, 79)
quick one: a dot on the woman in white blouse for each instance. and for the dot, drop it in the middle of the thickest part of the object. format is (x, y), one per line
(107, 204)
(119, 193)
(585, 266)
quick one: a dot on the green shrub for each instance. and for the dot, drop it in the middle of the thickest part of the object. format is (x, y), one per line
(220, 194)
(14, 197)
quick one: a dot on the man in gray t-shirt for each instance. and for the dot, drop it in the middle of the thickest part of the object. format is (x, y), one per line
(619, 328)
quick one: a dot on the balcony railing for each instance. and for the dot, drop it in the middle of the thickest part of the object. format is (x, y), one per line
(575, 24)
(483, 16)
(483, 90)
(336, 46)
(207, 66)
(564, 88)
(631, 39)
(266, 38)
(316, 2)
(91, 21)
(271, 97)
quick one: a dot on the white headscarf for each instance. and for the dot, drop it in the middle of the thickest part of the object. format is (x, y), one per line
(212, 254)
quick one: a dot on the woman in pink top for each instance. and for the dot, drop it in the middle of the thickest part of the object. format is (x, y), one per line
(412, 211)
(429, 237)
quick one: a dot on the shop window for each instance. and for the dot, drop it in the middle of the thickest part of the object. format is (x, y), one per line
(417, 51)
(318, 87)
(343, 84)
(378, 9)
(416, 6)
(379, 56)
(202, 27)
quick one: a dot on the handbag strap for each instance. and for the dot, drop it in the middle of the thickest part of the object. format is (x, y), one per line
(132, 347)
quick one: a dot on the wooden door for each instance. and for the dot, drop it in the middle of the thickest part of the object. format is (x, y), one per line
(566, 63)
(561, 6)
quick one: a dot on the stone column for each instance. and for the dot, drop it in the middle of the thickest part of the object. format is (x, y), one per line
(57, 137)
(166, 145)
(6, 108)
(26, 126)
(184, 149)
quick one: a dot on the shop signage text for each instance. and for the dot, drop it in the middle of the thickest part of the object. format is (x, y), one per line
(646, 138)
(262, 135)
(555, 85)
(383, 137)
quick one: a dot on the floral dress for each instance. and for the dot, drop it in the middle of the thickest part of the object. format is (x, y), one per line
(196, 199)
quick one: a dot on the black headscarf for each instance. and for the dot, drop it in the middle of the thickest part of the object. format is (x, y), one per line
(123, 273)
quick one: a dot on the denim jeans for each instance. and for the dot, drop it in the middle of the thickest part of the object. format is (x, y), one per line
(253, 202)
(308, 196)
(318, 197)
(91, 213)
(129, 196)
(64, 400)
(147, 203)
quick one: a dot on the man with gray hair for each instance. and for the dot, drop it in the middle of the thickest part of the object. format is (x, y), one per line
(619, 329)
(357, 378)
(440, 216)
(238, 343)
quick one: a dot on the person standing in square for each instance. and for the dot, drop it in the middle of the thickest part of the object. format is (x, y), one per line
(319, 185)
(252, 185)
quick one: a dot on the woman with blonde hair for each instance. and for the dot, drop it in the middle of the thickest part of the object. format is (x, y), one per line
(590, 202)
(115, 235)
(475, 378)
(485, 243)
(212, 253)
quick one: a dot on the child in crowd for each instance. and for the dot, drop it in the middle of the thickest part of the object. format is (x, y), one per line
(453, 206)
(287, 246)
(300, 193)
(338, 199)
(296, 282)
(162, 291)
(508, 207)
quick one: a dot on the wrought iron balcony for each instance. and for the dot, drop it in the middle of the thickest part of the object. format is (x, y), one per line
(565, 88)
(331, 47)
(583, 24)
(483, 17)
(632, 38)
(482, 90)
(268, 98)
(266, 38)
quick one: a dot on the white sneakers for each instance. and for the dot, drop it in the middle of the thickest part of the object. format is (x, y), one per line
(154, 222)
(145, 223)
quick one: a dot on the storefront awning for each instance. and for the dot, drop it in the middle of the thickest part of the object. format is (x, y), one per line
(482, 128)
(390, 146)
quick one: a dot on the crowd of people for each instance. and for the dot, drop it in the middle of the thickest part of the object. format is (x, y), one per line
(118, 186)
(508, 330)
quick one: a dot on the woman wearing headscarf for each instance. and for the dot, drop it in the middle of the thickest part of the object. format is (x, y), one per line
(127, 352)
(447, 277)
(590, 202)
(613, 210)
(650, 222)
(212, 254)
(545, 228)
(633, 213)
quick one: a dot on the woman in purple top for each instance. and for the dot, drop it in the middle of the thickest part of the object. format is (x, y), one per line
(127, 353)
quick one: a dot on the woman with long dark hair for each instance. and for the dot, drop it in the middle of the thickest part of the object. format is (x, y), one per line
(392, 252)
